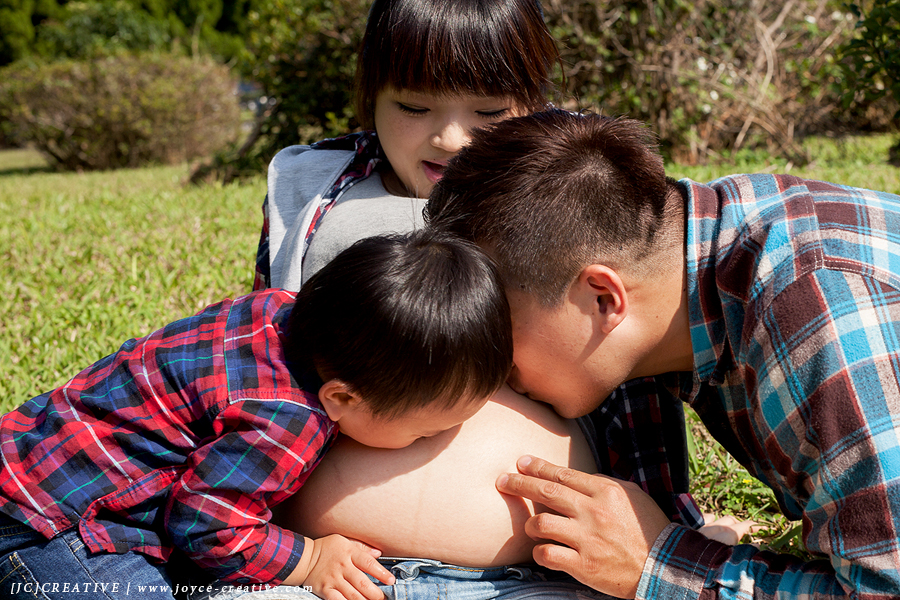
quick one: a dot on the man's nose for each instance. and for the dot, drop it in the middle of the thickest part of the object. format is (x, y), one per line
(515, 382)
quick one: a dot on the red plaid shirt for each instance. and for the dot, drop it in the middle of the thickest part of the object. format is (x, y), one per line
(184, 438)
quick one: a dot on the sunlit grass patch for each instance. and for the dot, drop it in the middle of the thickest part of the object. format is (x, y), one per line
(90, 260)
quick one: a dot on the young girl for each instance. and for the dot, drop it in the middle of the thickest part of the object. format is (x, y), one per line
(428, 72)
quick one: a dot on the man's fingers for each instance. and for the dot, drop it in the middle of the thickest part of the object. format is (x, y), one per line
(553, 528)
(540, 468)
(553, 495)
(557, 488)
(554, 557)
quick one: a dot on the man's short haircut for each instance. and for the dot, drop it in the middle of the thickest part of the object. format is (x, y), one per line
(406, 321)
(550, 193)
(447, 47)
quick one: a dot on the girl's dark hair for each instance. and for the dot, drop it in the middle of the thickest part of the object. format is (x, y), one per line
(405, 321)
(446, 47)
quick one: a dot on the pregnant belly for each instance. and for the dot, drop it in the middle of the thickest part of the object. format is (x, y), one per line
(436, 498)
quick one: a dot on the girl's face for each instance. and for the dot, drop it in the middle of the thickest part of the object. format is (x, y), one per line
(420, 132)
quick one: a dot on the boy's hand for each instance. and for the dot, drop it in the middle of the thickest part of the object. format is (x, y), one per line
(335, 568)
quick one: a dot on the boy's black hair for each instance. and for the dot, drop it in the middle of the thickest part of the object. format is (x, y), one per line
(447, 47)
(405, 321)
(550, 193)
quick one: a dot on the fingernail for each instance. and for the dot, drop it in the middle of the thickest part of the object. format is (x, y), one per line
(501, 481)
(524, 461)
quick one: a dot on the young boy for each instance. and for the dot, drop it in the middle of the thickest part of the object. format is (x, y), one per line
(183, 440)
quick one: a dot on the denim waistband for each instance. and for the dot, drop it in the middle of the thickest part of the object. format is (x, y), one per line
(411, 568)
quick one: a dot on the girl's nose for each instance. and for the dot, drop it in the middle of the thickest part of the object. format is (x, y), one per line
(451, 137)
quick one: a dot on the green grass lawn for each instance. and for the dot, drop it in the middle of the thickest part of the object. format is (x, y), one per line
(90, 260)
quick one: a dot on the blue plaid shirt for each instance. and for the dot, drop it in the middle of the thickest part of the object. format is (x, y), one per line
(794, 291)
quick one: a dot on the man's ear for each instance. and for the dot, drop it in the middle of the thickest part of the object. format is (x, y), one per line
(609, 294)
(337, 398)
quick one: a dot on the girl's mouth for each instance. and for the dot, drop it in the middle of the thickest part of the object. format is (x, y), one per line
(433, 171)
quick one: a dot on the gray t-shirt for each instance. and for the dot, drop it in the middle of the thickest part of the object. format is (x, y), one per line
(364, 210)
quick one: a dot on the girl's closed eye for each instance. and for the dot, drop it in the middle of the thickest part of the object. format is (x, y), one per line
(411, 110)
(493, 114)
(486, 114)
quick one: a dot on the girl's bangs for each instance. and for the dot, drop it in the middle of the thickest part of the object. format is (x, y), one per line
(450, 68)
(498, 50)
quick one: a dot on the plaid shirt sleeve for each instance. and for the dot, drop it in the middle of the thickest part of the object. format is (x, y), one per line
(218, 511)
(819, 357)
(832, 341)
(265, 440)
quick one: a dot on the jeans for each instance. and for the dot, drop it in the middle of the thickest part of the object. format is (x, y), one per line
(420, 579)
(33, 567)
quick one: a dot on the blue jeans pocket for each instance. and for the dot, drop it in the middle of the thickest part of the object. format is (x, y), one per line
(61, 568)
(17, 581)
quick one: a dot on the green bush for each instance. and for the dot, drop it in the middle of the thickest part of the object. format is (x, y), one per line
(18, 32)
(61, 28)
(304, 57)
(872, 57)
(711, 76)
(91, 29)
(121, 111)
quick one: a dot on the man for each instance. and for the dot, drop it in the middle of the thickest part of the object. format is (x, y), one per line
(769, 303)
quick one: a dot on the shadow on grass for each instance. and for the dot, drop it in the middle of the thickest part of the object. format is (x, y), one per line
(22, 161)
(9, 172)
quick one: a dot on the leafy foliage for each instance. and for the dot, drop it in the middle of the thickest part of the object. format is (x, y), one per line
(712, 77)
(90, 29)
(52, 29)
(18, 32)
(874, 53)
(710, 86)
(121, 111)
(304, 57)
(709, 75)
(18, 19)
(722, 486)
(872, 57)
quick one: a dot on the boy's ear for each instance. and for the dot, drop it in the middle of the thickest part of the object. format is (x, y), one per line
(610, 295)
(338, 399)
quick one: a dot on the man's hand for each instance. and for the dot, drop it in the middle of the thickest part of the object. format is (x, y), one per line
(602, 532)
(335, 568)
